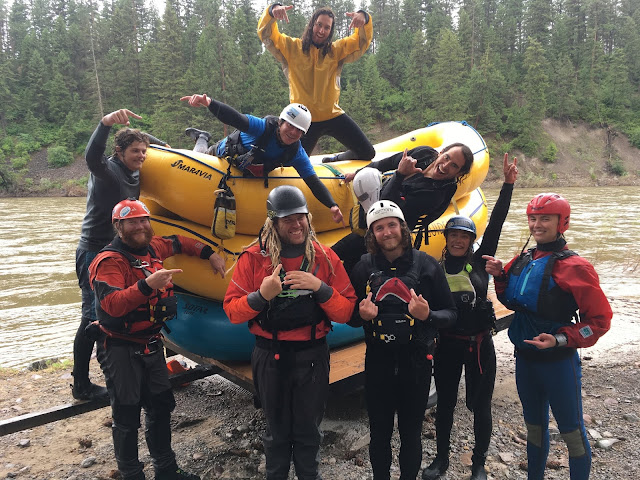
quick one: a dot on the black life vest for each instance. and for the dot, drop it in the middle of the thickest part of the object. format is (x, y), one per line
(251, 160)
(291, 309)
(148, 318)
(393, 325)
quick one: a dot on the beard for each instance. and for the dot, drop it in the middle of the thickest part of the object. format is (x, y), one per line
(139, 238)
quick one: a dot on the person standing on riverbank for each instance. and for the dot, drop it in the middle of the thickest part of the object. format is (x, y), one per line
(289, 289)
(559, 307)
(313, 65)
(469, 342)
(111, 180)
(134, 297)
(404, 299)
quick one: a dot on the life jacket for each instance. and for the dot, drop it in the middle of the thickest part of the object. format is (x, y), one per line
(148, 318)
(540, 305)
(475, 311)
(251, 160)
(291, 309)
(391, 294)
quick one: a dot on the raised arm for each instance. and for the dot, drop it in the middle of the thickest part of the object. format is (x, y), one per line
(221, 111)
(500, 210)
(94, 153)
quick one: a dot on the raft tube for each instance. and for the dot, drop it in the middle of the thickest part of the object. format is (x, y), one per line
(201, 327)
(183, 182)
(198, 278)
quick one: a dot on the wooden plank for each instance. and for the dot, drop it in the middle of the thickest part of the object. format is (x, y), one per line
(35, 419)
(503, 314)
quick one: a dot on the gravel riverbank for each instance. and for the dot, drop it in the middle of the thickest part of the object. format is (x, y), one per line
(217, 430)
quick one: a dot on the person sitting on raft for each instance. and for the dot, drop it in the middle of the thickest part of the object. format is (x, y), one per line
(422, 185)
(259, 145)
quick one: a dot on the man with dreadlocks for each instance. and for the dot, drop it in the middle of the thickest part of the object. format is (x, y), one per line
(289, 288)
(312, 65)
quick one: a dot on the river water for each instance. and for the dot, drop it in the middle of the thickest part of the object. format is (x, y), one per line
(40, 298)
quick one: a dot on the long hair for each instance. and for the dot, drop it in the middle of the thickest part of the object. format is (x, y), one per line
(308, 31)
(468, 160)
(446, 254)
(270, 243)
(126, 136)
(372, 244)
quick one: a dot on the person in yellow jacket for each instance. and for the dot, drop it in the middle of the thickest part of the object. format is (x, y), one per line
(312, 65)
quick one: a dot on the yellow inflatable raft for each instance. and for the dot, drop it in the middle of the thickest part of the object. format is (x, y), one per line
(178, 187)
(199, 279)
(183, 182)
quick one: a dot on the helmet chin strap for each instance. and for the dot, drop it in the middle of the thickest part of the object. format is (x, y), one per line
(263, 246)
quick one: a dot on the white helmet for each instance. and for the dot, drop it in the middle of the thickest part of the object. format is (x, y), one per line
(383, 209)
(297, 115)
(366, 186)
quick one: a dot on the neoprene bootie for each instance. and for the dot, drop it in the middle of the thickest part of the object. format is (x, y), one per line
(437, 468)
(478, 472)
(175, 473)
(88, 391)
(194, 133)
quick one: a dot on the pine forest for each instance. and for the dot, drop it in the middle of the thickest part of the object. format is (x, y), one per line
(501, 65)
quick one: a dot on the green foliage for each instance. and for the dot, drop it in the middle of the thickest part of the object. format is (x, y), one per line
(634, 136)
(616, 167)
(6, 146)
(18, 163)
(503, 65)
(550, 154)
(59, 157)
(26, 144)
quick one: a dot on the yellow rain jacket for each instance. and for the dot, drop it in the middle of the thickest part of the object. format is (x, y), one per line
(314, 80)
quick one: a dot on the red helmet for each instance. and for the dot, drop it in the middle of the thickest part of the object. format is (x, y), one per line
(129, 208)
(551, 204)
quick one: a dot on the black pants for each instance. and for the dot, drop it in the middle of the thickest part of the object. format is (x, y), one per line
(346, 131)
(349, 249)
(396, 380)
(451, 355)
(136, 381)
(293, 392)
(83, 346)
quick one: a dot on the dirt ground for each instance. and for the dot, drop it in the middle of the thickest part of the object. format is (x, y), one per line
(216, 430)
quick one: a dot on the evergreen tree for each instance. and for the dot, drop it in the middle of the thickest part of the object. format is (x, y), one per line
(448, 75)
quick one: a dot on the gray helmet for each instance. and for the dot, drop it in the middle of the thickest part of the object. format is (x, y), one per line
(460, 222)
(286, 200)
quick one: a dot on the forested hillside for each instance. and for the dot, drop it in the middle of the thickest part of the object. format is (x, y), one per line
(502, 65)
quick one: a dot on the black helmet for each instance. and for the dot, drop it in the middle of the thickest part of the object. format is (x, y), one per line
(286, 200)
(460, 222)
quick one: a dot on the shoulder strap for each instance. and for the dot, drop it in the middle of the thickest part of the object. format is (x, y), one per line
(133, 261)
(414, 271)
(546, 276)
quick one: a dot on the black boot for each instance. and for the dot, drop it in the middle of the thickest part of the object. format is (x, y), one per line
(82, 388)
(437, 468)
(175, 473)
(194, 133)
(331, 159)
(88, 391)
(478, 472)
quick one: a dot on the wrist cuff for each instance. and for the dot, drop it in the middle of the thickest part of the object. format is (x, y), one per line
(561, 339)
